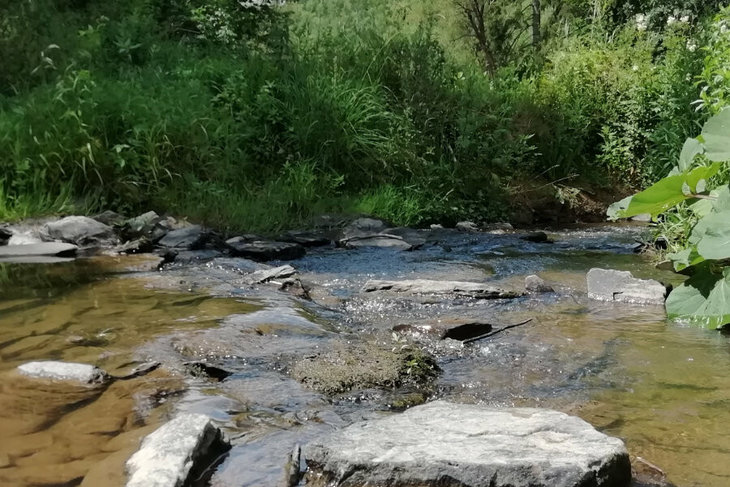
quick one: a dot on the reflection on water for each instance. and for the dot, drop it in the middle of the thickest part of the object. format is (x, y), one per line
(57, 434)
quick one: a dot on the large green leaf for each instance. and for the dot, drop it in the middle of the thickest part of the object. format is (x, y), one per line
(711, 235)
(704, 299)
(666, 193)
(716, 137)
(691, 148)
(685, 258)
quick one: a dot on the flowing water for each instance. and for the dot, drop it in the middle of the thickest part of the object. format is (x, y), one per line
(662, 387)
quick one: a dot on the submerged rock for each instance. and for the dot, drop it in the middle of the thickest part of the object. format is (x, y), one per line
(449, 445)
(262, 250)
(176, 453)
(537, 237)
(80, 230)
(345, 368)
(536, 284)
(425, 286)
(64, 371)
(622, 286)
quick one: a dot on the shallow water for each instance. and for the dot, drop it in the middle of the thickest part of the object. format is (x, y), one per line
(662, 387)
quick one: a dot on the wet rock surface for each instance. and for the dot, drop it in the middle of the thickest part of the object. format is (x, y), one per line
(45, 249)
(445, 444)
(622, 286)
(65, 371)
(177, 453)
(193, 237)
(262, 250)
(425, 286)
(5, 235)
(80, 230)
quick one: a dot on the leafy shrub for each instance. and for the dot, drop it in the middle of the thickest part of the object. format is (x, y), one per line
(703, 299)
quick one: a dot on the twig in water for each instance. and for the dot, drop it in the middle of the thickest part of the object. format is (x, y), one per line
(491, 333)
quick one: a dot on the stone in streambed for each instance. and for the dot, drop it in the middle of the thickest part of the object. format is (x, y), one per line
(622, 286)
(381, 240)
(45, 249)
(193, 237)
(449, 445)
(5, 235)
(266, 275)
(536, 285)
(305, 239)
(64, 371)
(425, 286)
(262, 250)
(537, 237)
(467, 226)
(176, 453)
(80, 230)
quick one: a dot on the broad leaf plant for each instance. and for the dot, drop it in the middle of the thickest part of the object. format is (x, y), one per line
(704, 298)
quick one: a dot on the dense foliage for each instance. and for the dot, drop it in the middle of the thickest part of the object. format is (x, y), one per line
(255, 116)
(693, 200)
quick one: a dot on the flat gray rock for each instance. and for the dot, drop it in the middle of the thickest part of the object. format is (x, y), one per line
(621, 286)
(449, 445)
(64, 371)
(425, 286)
(363, 226)
(266, 275)
(79, 230)
(263, 250)
(45, 249)
(179, 450)
(193, 237)
(381, 240)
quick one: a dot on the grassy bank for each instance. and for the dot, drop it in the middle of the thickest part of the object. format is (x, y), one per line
(257, 118)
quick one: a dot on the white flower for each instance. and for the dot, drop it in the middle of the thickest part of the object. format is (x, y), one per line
(691, 45)
(635, 67)
(684, 19)
(671, 20)
(641, 22)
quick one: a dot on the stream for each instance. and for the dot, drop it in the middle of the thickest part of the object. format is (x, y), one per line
(664, 388)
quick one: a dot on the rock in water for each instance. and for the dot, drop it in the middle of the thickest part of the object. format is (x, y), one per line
(64, 371)
(5, 235)
(47, 249)
(376, 240)
(467, 226)
(425, 286)
(261, 250)
(176, 452)
(611, 285)
(536, 284)
(193, 237)
(449, 445)
(537, 237)
(80, 230)
(363, 226)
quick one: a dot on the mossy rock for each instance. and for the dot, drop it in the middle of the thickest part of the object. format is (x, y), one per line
(349, 367)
